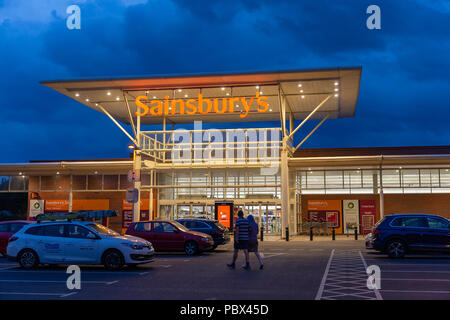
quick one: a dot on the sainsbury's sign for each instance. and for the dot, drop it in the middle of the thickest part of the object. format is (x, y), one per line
(201, 105)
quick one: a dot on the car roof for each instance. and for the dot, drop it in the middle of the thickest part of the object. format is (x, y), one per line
(414, 215)
(17, 221)
(49, 222)
(201, 219)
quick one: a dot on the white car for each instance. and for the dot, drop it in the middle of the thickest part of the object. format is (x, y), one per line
(76, 242)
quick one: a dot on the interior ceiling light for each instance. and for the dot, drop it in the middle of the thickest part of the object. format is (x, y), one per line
(299, 85)
(257, 87)
(185, 95)
(301, 91)
(77, 94)
(87, 100)
(336, 89)
(336, 83)
(223, 89)
(117, 98)
(179, 90)
(108, 93)
(303, 97)
(336, 95)
(228, 93)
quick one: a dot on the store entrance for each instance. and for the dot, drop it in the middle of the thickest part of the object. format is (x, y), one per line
(268, 216)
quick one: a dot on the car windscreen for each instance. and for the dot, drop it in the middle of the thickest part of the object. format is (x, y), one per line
(100, 229)
(179, 226)
(220, 226)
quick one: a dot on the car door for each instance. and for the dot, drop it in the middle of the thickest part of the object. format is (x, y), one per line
(79, 248)
(144, 230)
(168, 236)
(201, 226)
(437, 236)
(414, 230)
(4, 236)
(51, 244)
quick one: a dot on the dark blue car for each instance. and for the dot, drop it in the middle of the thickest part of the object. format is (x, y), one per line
(218, 232)
(399, 234)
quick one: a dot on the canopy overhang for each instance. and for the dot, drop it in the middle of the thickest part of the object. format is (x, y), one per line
(302, 89)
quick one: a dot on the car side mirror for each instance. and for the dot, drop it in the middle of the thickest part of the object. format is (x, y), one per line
(91, 236)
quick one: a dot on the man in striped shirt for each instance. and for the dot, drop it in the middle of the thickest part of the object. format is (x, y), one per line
(241, 237)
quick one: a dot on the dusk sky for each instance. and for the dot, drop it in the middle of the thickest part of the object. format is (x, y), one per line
(403, 99)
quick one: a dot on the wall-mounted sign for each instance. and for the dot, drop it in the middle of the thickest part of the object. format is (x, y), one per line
(132, 195)
(326, 211)
(350, 210)
(368, 215)
(201, 105)
(36, 207)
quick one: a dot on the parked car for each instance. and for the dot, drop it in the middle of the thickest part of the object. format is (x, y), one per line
(399, 234)
(171, 236)
(76, 242)
(218, 232)
(7, 229)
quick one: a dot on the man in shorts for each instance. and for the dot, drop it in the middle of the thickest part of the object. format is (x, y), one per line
(241, 237)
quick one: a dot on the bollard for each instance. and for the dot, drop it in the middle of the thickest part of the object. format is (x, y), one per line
(333, 233)
(311, 234)
(287, 234)
(262, 234)
(356, 233)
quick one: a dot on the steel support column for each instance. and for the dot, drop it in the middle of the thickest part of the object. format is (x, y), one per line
(137, 168)
(284, 189)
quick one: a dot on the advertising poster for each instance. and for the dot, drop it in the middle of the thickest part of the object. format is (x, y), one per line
(326, 211)
(350, 210)
(36, 207)
(224, 215)
(368, 213)
(127, 212)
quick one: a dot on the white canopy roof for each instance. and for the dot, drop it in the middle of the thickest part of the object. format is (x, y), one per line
(303, 89)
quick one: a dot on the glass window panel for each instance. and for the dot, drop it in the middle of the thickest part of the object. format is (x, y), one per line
(315, 180)
(19, 183)
(429, 178)
(4, 183)
(48, 183)
(391, 178)
(410, 178)
(78, 182)
(62, 182)
(370, 179)
(145, 179)
(445, 177)
(33, 183)
(124, 184)
(95, 182)
(334, 179)
(110, 182)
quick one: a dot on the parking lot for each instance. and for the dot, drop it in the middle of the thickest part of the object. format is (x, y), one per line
(323, 270)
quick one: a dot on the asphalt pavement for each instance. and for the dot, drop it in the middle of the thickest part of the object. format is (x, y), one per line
(295, 270)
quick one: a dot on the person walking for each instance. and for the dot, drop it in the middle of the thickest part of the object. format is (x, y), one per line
(253, 239)
(241, 236)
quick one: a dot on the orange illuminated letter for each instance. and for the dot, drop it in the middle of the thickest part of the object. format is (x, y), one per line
(141, 105)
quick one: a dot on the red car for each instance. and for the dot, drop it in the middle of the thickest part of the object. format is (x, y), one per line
(171, 236)
(7, 229)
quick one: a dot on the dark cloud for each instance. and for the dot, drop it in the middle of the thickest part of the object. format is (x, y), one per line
(404, 88)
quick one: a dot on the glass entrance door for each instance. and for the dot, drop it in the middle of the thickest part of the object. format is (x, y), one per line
(271, 216)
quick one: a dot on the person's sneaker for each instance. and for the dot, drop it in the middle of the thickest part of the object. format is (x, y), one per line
(261, 267)
(231, 265)
(246, 267)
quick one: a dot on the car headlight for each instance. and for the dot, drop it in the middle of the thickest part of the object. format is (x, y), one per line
(133, 246)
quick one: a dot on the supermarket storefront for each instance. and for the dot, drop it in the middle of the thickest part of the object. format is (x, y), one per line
(186, 167)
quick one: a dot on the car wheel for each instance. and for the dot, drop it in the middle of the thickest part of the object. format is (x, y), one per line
(396, 249)
(113, 260)
(191, 248)
(28, 259)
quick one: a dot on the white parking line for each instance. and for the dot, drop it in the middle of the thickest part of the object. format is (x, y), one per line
(402, 279)
(414, 271)
(64, 272)
(56, 281)
(417, 291)
(68, 294)
(324, 278)
(271, 255)
(33, 293)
